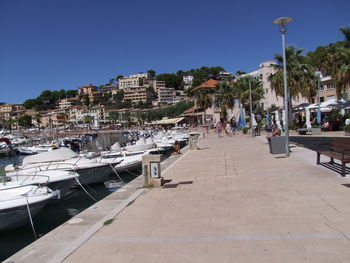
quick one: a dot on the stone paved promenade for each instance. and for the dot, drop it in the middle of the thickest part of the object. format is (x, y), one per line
(244, 205)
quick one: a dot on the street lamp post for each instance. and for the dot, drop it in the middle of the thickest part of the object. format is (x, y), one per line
(250, 108)
(319, 76)
(282, 22)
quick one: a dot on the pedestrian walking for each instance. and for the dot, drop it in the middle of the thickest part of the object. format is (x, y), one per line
(218, 127)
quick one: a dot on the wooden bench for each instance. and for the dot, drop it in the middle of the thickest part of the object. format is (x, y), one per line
(339, 148)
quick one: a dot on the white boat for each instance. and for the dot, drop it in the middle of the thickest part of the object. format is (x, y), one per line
(60, 181)
(36, 149)
(15, 201)
(140, 145)
(90, 171)
(4, 149)
(113, 185)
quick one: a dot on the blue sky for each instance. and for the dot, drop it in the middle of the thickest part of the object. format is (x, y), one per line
(64, 44)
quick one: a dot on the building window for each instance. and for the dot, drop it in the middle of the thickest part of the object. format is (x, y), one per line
(321, 99)
(329, 86)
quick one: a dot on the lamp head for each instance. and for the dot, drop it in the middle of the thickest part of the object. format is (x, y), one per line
(282, 22)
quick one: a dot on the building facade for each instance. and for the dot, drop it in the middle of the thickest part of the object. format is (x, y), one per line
(133, 81)
(11, 111)
(187, 81)
(265, 69)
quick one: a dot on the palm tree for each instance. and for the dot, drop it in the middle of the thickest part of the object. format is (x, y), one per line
(241, 89)
(337, 63)
(300, 76)
(204, 101)
(224, 96)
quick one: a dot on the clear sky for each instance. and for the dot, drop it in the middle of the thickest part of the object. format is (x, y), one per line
(64, 44)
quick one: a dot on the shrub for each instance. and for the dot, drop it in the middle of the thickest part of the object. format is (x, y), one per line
(245, 130)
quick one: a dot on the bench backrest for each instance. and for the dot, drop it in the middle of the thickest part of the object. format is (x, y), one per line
(340, 144)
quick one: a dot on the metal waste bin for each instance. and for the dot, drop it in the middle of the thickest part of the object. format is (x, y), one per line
(277, 144)
(193, 140)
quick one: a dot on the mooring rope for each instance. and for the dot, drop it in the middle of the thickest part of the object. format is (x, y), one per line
(116, 173)
(82, 187)
(30, 218)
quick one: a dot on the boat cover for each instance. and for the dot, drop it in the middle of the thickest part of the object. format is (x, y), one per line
(52, 156)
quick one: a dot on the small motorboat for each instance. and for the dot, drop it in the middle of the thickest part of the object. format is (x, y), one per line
(113, 185)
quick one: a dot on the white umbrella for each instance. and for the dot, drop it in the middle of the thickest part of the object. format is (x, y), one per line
(254, 123)
(307, 117)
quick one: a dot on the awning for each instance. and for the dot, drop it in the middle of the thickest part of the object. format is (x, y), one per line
(169, 121)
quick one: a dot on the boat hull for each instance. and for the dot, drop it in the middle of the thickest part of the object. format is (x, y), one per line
(61, 188)
(94, 175)
(18, 216)
(132, 167)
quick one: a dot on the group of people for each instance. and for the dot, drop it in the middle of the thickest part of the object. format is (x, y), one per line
(229, 127)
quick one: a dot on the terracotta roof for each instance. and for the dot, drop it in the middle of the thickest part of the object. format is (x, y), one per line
(209, 84)
(192, 109)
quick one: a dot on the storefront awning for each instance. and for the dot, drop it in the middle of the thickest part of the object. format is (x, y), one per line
(169, 121)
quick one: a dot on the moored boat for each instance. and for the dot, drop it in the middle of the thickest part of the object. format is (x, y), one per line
(16, 200)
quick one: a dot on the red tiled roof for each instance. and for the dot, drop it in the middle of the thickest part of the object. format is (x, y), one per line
(209, 84)
(192, 109)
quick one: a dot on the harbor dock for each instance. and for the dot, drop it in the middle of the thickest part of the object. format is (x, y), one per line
(229, 201)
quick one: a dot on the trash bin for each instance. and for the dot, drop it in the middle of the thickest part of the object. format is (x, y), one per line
(277, 144)
(193, 140)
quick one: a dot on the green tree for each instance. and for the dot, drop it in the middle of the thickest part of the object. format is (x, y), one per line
(241, 89)
(224, 96)
(151, 73)
(152, 92)
(38, 119)
(117, 78)
(204, 100)
(171, 80)
(25, 121)
(113, 117)
(119, 96)
(71, 93)
(300, 75)
(86, 100)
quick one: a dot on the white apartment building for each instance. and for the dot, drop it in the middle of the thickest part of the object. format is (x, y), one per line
(137, 94)
(187, 80)
(68, 103)
(166, 95)
(76, 114)
(133, 81)
(263, 72)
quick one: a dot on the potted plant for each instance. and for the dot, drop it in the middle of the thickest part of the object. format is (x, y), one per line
(245, 130)
(347, 129)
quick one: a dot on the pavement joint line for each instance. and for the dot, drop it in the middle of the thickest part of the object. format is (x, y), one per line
(72, 246)
(191, 239)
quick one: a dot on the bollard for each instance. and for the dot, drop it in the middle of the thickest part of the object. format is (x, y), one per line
(151, 170)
